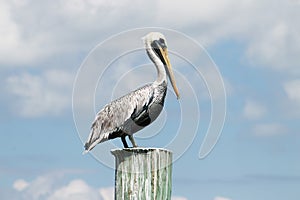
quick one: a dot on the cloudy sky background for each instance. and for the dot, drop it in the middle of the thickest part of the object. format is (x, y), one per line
(255, 45)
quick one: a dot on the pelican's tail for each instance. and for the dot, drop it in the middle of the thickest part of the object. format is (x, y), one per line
(85, 152)
(89, 145)
(95, 137)
(86, 148)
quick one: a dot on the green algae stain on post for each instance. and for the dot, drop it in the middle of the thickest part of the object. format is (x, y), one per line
(143, 174)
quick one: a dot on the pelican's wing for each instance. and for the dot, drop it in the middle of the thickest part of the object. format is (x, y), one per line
(110, 120)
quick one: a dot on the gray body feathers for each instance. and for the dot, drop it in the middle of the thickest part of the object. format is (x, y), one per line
(128, 114)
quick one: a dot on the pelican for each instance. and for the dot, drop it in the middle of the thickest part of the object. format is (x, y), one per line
(136, 110)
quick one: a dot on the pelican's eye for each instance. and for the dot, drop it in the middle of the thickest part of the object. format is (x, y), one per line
(162, 43)
(156, 46)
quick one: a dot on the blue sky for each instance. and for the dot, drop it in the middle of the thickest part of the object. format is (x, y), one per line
(254, 44)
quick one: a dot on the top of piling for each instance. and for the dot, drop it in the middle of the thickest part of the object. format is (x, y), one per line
(139, 150)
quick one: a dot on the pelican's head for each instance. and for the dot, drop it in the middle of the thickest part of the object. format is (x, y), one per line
(157, 43)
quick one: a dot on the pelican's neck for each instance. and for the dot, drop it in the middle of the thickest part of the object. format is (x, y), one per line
(161, 72)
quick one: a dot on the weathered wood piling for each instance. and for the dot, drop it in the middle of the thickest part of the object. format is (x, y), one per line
(143, 174)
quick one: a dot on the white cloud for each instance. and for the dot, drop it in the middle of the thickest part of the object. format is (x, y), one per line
(254, 110)
(221, 198)
(46, 94)
(269, 129)
(20, 184)
(49, 187)
(107, 193)
(270, 41)
(292, 100)
(9, 32)
(35, 31)
(292, 89)
(75, 190)
(40, 187)
(277, 44)
(60, 27)
(178, 198)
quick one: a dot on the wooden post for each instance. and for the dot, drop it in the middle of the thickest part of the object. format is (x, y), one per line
(143, 174)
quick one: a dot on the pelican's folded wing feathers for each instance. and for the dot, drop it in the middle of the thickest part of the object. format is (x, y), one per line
(117, 114)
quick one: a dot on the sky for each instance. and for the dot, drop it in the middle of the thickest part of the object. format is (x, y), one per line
(237, 55)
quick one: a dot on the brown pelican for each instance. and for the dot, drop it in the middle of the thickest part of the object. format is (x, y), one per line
(132, 112)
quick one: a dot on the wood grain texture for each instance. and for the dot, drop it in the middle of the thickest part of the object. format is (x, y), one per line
(143, 174)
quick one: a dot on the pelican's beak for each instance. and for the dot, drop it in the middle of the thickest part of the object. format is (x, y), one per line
(164, 52)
